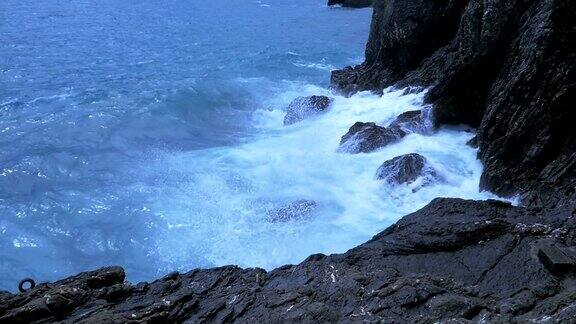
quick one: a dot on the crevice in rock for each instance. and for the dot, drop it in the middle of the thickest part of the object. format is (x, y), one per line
(495, 264)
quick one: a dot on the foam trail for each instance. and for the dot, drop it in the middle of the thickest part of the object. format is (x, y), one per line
(216, 201)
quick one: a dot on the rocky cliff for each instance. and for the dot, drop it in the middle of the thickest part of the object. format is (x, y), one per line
(505, 67)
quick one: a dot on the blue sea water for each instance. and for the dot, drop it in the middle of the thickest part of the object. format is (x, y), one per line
(148, 134)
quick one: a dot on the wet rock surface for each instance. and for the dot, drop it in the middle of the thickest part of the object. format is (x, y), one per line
(505, 67)
(415, 121)
(368, 137)
(402, 35)
(305, 107)
(351, 3)
(454, 260)
(405, 169)
(473, 142)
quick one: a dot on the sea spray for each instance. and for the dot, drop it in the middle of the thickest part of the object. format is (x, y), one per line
(218, 200)
(134, 141)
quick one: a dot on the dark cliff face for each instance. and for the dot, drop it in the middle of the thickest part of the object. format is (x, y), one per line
(505, 67)
(402, 34)
(527, 132)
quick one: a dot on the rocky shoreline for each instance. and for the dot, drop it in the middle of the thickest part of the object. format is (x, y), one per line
(454, 259)
(506, 68)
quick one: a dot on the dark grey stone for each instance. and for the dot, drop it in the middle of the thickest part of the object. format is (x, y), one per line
(555, 259)
(304, 107)
(368, 137)
(405, 169)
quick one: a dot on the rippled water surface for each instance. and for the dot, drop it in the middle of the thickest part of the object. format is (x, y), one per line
(149, 134)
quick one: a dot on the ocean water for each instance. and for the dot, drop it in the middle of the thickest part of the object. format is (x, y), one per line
(148, 134)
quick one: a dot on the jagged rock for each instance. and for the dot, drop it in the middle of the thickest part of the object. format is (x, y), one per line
(296, 210)
(409, 117)
(304, 107)
(415, 121)
(368, 137)
(506, 67)
(556, 260)
(54, 301)
(454, 260)
(351, 3)
(4, 295)
(473, 142)
(402, 34)
(404, 169)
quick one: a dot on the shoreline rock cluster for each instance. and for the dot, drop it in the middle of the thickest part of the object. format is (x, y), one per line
(506, 68)
(454, 260)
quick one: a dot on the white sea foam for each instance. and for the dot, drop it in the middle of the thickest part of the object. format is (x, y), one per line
(310, 65)
(215, 201)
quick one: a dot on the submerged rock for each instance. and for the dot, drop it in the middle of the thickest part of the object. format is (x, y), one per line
(351, 3)
(296, 210)
(304, 107)
(404, 169)
(368, 137)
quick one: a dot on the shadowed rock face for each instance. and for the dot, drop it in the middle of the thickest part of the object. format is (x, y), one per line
(506, 67)
(402, 34)
(304, 107)
(404, 169)
(454, 260)
(368, 137)
(351, 3)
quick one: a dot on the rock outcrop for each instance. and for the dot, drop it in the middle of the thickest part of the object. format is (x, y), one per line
(351, 3)
(405, 169)
(505, 67)
(368, 137)
(415, 121)
(305, 107)
(453, 261)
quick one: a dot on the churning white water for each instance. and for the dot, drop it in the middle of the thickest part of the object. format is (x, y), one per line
(220, 199)
(157, 144)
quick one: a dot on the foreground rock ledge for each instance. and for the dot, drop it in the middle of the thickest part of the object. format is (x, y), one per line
(453, 259)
